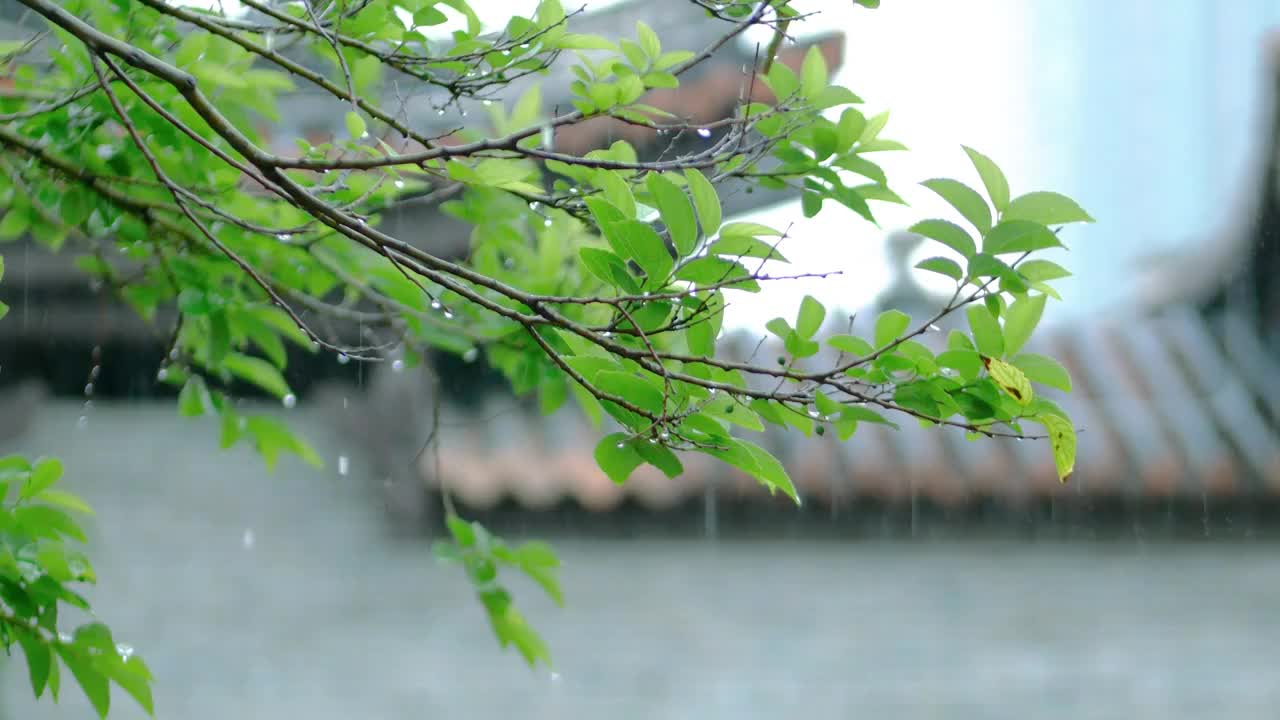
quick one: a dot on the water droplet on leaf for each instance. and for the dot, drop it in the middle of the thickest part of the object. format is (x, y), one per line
(470, 355)
(289, 400)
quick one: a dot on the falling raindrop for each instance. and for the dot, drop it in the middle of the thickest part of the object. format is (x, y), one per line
(704, 132)
(344, 465)
(247, 539)
(397, 365)
(440, 111)
(289, 400)
(470, 355)
(94, 372)
(88, 389)
(555, 677)
(548, 137)
(83, 422)
(343, 358)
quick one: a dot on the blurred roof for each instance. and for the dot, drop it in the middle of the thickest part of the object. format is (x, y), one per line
(1171, 406)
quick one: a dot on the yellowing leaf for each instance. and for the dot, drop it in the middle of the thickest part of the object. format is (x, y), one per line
(1062, 439)
(1010, 379)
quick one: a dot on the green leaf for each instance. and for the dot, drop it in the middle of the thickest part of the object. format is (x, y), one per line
(942, 266)
(1046, 208)
(1042, 270)
(64, 499)
(711, 270)
(608, 268)
(756, 462)
(1020, 321)
(855, 346)
(747, 229)
(638, 391)
(813, 73)
(661, 457)
(833, 95)
(1044, 370)
(1012, 236)
(4, 310)
(744, 246)
(676, 213)
(966, 362)
(273, 437)
(646, 247)
(617, 456)
(193, 399)
(889, 326)
(38, 658)
(46, 472)
(1010, 379)
(964, 199)
(355, 125)
(1062, 440)
(648, 40)
(992, 178)
(618, 192)
(92, 682)
(705, 200)
(257, 371)
(809, 320)
(947, 233)
(133, 676)
(986, 331)
(576, 41)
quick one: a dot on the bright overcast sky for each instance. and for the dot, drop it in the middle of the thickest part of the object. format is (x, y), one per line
(947, 71)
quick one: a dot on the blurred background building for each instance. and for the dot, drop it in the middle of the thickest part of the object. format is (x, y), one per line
(926, 576)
